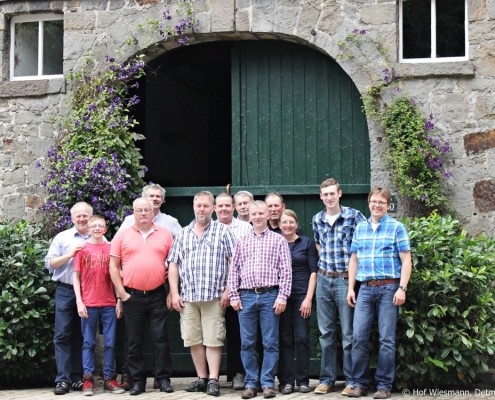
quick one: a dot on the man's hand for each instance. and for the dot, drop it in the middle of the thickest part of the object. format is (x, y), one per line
(399, 297)
(81, 310)
(119, 309)
(224, 301)
(279, 306)
(177, 302)
(351, 298)
(236, 305)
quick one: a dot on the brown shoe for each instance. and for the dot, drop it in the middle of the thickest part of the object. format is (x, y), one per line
(269, 392)
(357, 392)
(249, 393)
(126, 382)
(382, 394)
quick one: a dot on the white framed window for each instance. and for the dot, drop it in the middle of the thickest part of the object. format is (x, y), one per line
(36, 46)
(433, 31)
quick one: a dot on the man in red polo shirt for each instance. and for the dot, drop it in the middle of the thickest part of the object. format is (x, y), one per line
(141, 251)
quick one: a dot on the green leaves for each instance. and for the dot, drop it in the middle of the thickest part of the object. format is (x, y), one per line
(446, 323)
(26, 320)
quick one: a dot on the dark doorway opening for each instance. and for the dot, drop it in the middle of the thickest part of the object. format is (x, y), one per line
(185, 115)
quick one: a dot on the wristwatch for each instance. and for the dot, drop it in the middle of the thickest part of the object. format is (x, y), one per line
(404, 288)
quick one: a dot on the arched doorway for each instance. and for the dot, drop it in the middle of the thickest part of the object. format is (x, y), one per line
(259, 115)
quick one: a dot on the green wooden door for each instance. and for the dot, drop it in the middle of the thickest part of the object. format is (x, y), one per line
(297, 119)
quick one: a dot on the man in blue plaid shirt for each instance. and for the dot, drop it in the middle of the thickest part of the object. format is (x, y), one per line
(200, 258)
(333, 229)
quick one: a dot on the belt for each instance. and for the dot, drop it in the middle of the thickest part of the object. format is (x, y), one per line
(333, 274)
(259, 290)
(144, 292)
(65, 285)
(381, 282)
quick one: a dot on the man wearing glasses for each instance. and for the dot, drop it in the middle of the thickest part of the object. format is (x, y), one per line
(381, 261)
(333, 229)
(142, 249)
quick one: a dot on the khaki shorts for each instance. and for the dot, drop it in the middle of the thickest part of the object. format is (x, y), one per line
(203, 322)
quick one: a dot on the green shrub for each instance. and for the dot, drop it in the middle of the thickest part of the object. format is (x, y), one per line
(26, 301)
(446, 333)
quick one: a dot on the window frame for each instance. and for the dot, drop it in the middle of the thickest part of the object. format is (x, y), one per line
(40, 18)
(433, 58)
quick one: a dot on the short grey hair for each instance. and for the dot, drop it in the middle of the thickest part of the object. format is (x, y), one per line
(243, 193)
(153, 186)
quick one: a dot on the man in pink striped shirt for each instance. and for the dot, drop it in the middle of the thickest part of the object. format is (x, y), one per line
(259, 284)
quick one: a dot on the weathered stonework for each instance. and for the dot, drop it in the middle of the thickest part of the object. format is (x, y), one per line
(459, 94)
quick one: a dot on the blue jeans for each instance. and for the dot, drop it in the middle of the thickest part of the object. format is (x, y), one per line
(259, 307)
(371, 302)
(294, 340)
(67, 338)
(106, 316)
(331, 303)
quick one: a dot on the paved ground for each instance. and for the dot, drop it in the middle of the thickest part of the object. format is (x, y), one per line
(227, 393)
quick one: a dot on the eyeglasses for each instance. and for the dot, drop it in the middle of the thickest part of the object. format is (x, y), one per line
(142, 210)
(97, 226)
(378, 202)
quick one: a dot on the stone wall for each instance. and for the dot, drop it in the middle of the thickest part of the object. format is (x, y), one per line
(460, 95)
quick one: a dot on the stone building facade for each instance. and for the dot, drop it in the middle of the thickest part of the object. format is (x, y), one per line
(460, 94)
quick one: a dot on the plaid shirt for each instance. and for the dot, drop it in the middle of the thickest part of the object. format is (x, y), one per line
(203, 263)
(335, 240)
(261, 261)
(378, 251)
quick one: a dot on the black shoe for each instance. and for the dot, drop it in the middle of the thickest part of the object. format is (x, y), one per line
(213, 389)
(197, 386)
(61, 388)
(77, 385)
(165, 386)
(136, 389)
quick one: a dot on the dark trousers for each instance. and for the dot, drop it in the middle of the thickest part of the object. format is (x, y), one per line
(234, 362)
(294, 341)
(138, 309)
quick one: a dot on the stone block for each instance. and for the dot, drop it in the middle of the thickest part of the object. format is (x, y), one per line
(38, 146)
(262, 12)
(116, 4)
(307, 20)
(222, 15)
(94, 5)
(14, 207)
(39, 6)
(478, 142)
(15, 177)
(491, 9)
(23, 157)
(477, 10)
(34, 201)
(23, 88)
(484, 195)
(78, 21)
(242, 21)
(107, 19)
(285, 19)
(11, 145)
(379, 14)
(331, 18)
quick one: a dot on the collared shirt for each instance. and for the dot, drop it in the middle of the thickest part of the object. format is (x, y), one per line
(260, 261)
(203, 262)
(61, 244)
(335, 240)
(142, 258)
(240, 228)
(164, 220)
(304, 262)
(378, 251)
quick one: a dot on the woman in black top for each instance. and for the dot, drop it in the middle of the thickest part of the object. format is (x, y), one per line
(294, 321)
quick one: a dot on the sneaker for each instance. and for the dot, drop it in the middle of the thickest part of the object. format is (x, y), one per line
(346, 390)
(112, 386)
(382, 394)
(212, 388)
(197, 386)
(238, 382)
(304, 389)
(77, 386)
(357, 392)
(323, 388)
(88, 386)
(61, 388)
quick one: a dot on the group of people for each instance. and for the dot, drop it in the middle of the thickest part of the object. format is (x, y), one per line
(253, 277)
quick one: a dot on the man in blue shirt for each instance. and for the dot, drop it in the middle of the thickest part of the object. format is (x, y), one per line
(381, 261)
(333, 229)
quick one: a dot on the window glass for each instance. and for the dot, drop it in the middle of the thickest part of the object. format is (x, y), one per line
(416, 25)
(450, 28)
(53, 47)
(26, 49)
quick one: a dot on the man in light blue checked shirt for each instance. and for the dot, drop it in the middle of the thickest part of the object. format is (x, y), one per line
(200, 259)
(333, 229)
(381, 261)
